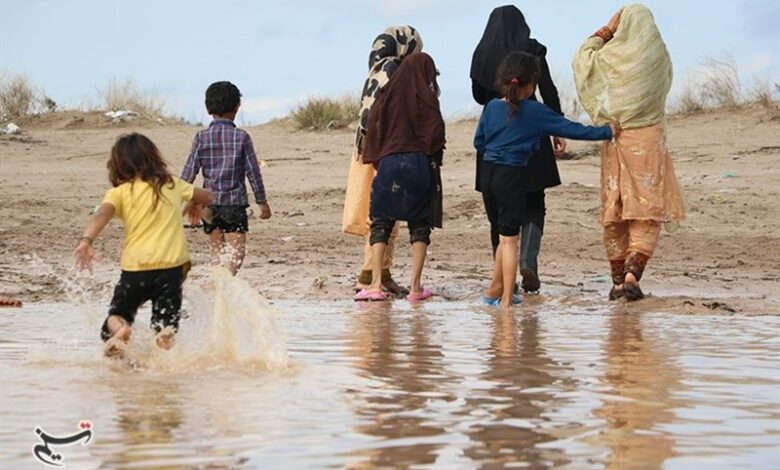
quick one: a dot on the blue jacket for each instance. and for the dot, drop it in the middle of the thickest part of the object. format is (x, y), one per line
(508, 139)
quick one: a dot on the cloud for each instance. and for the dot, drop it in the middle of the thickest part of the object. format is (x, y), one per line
(264, 108)
(757, 63)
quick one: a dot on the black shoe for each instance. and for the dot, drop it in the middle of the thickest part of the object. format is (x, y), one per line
(397, 291)
(615, 293)
(632, 292)
(530, 280)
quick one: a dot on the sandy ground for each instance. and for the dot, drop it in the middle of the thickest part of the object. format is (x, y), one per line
(722, 258)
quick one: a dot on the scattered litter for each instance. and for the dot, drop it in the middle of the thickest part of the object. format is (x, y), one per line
(320, 280)
(719, 306)
(122, 115)
(11, 129)
(295, 214)
(263, 163)
(288, 239)
(601, 278)
(730, 175)
(301, 224)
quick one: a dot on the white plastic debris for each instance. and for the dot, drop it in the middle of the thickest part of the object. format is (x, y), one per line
(122, 115)
(11, 129)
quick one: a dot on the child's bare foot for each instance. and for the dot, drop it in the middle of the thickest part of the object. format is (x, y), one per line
(120, 331)
(117, 345)
(165, 341)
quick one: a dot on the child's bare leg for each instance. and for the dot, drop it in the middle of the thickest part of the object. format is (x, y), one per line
(419, 250)
(377, 255)
(237, 245)
(508, 247)
(217, 242)
(120, 331)
(496, 288)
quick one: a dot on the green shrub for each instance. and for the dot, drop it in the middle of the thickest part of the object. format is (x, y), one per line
(319, 113)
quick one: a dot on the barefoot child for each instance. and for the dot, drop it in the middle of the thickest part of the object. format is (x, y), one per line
(405, 141)
(227, 157)
(509, 132)
(155, 258)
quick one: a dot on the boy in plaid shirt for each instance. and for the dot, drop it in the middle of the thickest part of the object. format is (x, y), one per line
(227, 157)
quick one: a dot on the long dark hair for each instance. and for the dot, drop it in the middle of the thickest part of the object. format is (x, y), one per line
(517, 70)
(135, 156)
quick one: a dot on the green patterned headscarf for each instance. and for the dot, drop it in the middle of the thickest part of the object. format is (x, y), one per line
(628, 78)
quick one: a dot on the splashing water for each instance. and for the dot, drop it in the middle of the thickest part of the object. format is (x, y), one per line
(244, 325)
(225, 323)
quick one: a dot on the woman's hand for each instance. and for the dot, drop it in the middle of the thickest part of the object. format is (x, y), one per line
(84, 255)
(614, 22)
(559, 146)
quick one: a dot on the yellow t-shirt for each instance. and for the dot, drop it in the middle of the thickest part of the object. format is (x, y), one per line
(154, 238)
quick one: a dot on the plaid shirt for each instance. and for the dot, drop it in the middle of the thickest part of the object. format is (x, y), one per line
(227, 157)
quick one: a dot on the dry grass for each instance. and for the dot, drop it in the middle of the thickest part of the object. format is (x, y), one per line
(716, 85)
(319, 113)
(17, 98)
(20, 100)
(719, 86)
(125, 95)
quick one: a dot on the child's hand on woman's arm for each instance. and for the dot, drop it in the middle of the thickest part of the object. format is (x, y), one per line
(616, 129)
(84, 252)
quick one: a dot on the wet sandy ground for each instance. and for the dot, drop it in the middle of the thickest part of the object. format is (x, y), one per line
(723, 258)
(441, 385)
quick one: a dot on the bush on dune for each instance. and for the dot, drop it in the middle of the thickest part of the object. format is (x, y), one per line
(125, 95)
(319, 113)
(20, 100)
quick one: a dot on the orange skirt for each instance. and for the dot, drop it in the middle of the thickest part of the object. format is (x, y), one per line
(637, 178)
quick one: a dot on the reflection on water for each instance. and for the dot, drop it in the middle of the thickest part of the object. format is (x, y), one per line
(444, 385)
(519, 376)
(642, 378)
(406, 364)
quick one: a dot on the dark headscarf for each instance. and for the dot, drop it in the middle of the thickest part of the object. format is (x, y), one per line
(506, 32)
(406, 115)
(387, 52)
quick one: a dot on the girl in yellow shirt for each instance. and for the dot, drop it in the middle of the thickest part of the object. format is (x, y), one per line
(155, 258)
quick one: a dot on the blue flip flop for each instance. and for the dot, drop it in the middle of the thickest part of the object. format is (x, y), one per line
(495, 302)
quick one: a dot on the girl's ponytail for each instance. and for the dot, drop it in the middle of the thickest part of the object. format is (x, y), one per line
(517, 70)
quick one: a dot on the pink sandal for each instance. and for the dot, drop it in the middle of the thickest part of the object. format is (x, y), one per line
(425, 294)
(367, 296)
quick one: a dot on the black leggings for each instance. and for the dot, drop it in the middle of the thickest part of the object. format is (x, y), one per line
(534, 213)
(419, 231)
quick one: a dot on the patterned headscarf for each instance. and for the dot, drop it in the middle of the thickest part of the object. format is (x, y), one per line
(628, 78)
(387, 52)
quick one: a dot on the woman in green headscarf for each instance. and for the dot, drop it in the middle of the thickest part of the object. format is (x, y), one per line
(623, 73)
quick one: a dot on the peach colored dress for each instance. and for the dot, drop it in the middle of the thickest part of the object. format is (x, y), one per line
(638, 180)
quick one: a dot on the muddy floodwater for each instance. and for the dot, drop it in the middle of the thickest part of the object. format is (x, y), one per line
(441, 385)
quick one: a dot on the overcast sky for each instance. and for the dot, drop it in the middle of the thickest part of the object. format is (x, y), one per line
(279, 52)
